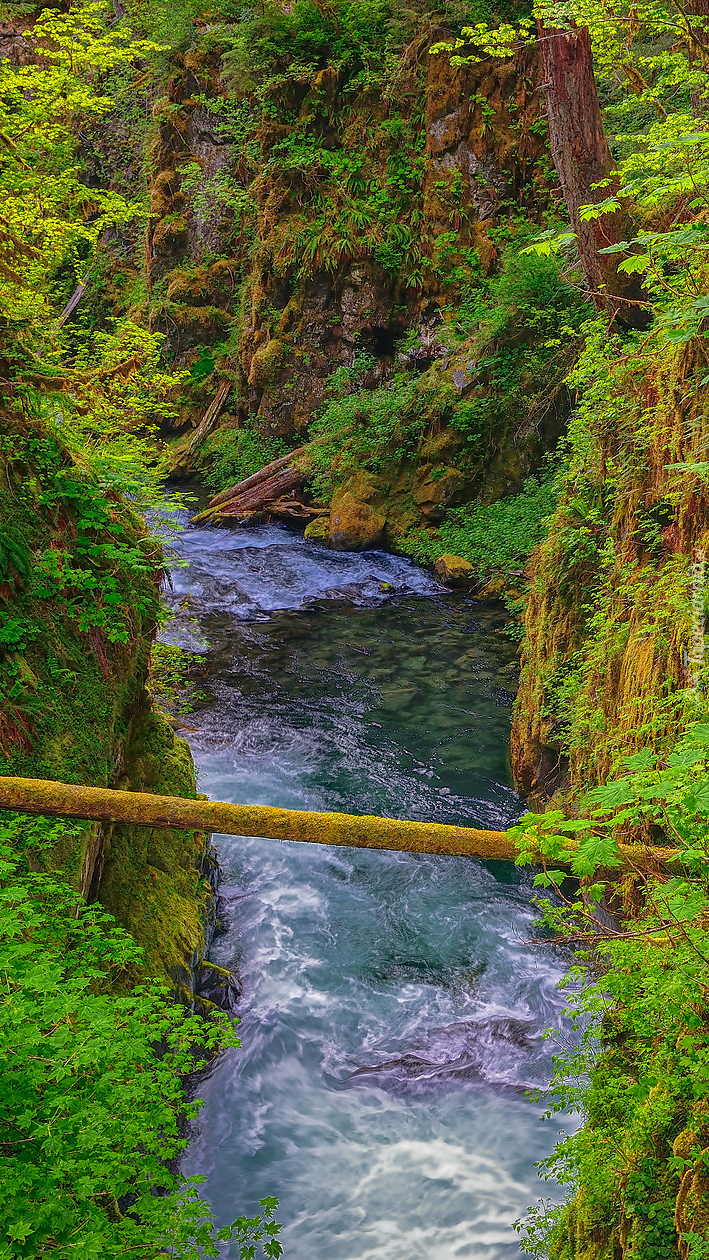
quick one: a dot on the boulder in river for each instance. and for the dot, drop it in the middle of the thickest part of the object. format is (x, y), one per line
(319, 529)
(451, 568)
(219, 986)
(358, 514)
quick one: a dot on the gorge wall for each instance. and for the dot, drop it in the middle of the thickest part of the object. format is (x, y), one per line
(333, 236)
(80, 596)
(336, 233)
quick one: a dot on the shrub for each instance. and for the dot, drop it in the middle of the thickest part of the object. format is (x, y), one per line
(237, 453)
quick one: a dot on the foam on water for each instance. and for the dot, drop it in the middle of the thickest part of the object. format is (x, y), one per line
(393, 1007)
(254, 572)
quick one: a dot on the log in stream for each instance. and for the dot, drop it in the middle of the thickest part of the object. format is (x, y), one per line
(96, 804)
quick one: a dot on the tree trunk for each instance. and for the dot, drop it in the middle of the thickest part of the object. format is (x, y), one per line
(71, 305)
(71, 800)
(210, 417)
(582, 158)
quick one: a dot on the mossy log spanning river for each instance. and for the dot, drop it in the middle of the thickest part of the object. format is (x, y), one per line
(71, 800)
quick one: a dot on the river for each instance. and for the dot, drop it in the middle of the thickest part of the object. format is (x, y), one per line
(393, 1006)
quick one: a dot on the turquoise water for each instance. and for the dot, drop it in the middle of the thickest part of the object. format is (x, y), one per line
(393, 1005)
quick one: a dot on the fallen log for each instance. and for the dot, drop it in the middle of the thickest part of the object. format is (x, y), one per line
(213, 511)
(210, 417)
(292, 508)
(71, 800)
(255, 479)
(259, 497)
(71, 305)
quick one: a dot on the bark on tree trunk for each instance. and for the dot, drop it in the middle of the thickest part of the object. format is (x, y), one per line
(256, 499)
(210, 417)
(582, 158)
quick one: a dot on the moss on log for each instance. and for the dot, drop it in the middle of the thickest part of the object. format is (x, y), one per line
(71, 800)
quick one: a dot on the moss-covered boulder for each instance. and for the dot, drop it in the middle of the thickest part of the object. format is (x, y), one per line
(358, 514)
(319, 529)
(454, 569)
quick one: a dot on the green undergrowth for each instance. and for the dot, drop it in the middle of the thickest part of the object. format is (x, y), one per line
(506, 412)
(79, 600)
(497, 538)
(525, 325)
(637, 1069)
(231, 455)
(609, 618)
(171, 680)
(364, 428)
(79, 606)
(93, 1100)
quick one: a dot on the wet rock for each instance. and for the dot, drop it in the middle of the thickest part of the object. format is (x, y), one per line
(319, 529)
(219, 986)
(495, 1050)
(358, 514)
(451, 568)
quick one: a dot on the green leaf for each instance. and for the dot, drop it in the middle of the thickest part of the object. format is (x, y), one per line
(608, 206)
(698, 799)
(611, 795)
(595, 852)
(637, 263)
(685, 757)
(643, 760)
(547, 879)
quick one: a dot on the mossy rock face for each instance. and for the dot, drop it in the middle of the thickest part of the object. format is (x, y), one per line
(266, 363)
(171, 228)
(438, 488)
(692, 1205)
(74, 709)
(158, 882)
(441, 447)
(583, 1234)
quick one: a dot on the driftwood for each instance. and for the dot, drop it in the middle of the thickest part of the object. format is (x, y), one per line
(293, 509)
(259, 497)
(255, 493)
(70, 800)
(237, 501)
(256, 478)
(210, 417)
